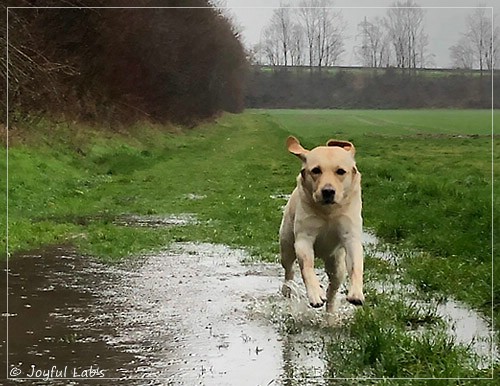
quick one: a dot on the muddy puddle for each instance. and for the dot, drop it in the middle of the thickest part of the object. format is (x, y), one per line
(190, 315)
(156, 221)
(193, 314)
(130, 220)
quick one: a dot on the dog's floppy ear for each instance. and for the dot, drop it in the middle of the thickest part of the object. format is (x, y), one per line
(348, 146)
(293, 145)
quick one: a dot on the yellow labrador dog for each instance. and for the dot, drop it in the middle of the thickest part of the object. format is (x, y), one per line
(323, 219)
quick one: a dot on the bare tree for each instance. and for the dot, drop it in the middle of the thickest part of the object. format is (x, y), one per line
(405, 27)
(271, 47)
(479, 45)
(283, 21)
(374, 50)
(324, 29)
(277, 44)
(330, 44)
(478, 34)
(297, 45)
(425, 58)
(494, 45)
(394, 24)
(462, 54)
(313, 34)
(309, 22)
(483, 37)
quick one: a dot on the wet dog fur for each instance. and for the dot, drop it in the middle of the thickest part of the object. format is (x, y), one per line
(323, 219)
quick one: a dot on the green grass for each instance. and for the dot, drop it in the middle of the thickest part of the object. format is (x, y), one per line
(101, 178)
(426, 188)
(383, 343)
(355, 123)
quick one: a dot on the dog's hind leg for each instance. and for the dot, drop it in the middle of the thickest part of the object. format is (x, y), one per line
(336, 271)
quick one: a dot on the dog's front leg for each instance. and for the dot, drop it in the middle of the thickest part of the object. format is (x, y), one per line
(305, 255)
(354, 263)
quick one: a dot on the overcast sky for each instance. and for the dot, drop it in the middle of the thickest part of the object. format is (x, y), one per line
(445, 21)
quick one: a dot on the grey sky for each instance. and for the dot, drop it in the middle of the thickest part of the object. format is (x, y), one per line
(445, 21)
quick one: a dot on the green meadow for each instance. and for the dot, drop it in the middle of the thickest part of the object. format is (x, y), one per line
(427, 194)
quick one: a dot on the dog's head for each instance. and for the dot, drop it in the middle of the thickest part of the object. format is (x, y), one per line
(328, 172)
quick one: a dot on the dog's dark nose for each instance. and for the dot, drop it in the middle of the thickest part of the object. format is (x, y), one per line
(328, 194)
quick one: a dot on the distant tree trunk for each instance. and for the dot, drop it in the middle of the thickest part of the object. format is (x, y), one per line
(324, 30)
(478, 34)
(373, 43)
(404, 23)
(297, 45)
(308, 21)
(462, 54)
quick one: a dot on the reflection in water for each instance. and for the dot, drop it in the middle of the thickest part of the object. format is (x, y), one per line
(190, 306)
(55, 317)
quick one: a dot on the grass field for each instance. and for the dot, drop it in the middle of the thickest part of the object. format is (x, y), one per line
(427, 189)
(384, 122)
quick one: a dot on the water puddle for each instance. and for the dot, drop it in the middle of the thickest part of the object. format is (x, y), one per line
(132, 220)
(222, 316)
(151, 221)
(465, 325)
(190, 305)
(469, 328)
(193, 314)
(190, 315)
(194, 196)
(373, 247)
(55, 316)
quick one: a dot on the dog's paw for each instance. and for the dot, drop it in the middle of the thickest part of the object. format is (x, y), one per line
(316, 296)
(355, 298)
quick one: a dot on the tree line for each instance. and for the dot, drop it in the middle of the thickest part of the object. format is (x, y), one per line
(367, 88)
(313, 34)
(120, 65)
(93, 64)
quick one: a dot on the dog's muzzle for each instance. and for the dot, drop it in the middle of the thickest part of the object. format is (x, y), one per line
(328, 194)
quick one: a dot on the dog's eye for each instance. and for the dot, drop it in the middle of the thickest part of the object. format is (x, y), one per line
(316, 170)
(341, 172)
